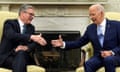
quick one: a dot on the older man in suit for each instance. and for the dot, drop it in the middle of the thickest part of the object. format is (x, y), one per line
(104, 35)
(19, 40)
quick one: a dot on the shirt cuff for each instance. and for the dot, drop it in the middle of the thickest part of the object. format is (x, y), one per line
(113, 53)
(63, 47)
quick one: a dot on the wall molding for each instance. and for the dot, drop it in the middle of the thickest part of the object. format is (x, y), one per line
(55, 3)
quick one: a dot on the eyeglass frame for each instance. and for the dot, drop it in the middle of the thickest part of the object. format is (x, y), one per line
(31, 14)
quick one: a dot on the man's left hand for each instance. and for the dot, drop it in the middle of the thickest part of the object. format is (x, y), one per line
(106, 53)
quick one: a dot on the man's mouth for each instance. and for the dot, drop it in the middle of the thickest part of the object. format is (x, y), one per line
(93, 20)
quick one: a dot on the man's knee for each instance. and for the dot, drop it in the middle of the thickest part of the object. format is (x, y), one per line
(88, 64)
(109, 60)
(21, 54)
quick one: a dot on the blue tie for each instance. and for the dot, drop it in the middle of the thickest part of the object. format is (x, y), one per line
(100, 35)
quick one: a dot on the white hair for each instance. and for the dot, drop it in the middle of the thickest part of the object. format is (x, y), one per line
(99, 7)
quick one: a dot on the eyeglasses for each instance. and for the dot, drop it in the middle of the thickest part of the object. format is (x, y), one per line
(31, 14)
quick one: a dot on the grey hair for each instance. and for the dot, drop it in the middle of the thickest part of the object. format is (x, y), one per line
(24, 7)
(99, 7)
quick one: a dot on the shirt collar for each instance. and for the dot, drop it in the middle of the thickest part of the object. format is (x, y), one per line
(20, 22)
(103, 24)
(21, 25)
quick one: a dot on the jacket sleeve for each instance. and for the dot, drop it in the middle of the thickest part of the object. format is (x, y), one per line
(116, 50)
(78, 43)
(10, 33)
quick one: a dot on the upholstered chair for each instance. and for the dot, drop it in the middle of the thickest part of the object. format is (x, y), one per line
(87, 51)
(10, 15)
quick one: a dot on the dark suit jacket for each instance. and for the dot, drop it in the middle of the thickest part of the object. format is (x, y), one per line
(12, 38)
(111, 39)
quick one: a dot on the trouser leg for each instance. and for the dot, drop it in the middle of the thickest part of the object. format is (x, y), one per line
(110, 63)
(19, 63)
(8, 62)
(93, 64)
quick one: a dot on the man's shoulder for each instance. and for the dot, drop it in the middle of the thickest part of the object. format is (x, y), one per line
(113, 21)
(11, 20)
(92, 25)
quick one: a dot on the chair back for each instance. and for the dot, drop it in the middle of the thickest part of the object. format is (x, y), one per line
(113, 15)
(4, 15)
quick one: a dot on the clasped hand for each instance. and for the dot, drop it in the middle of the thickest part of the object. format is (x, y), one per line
(105, 54)
(39, 39)
(57, 42)
(22, 48)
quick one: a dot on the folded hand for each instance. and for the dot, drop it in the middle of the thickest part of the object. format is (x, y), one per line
(39, 39)
(21, 47)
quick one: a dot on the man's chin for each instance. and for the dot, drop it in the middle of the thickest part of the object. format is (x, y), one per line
(29, 22)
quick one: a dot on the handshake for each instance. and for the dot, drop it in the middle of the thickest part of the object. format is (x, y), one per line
(40, 40)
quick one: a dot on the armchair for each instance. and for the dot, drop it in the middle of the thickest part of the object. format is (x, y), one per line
(87, 51)
(3, 16)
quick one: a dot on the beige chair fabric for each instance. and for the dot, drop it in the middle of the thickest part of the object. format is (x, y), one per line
(35, 68)
(30, 68)
(11, 15)
(3, 16)
(113, 15)
(88, 48)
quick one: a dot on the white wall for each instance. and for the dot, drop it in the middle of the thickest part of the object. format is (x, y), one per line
(113, 5)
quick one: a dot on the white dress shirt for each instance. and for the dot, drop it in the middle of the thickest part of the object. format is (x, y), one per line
(102, 26)
(21, 25)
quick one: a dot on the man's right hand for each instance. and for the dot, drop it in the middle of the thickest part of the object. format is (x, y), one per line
(58, 42)
(39, 39)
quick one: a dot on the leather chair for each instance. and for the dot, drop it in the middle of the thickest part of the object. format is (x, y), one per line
(10, 15)
(87, 51)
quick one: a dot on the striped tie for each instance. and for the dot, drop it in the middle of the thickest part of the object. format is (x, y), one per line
(100, 35)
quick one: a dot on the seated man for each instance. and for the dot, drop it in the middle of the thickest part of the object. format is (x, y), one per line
(18, 41)
(104, 35)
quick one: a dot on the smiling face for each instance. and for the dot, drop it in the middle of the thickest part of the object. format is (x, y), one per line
(96, 14)
(26, 14)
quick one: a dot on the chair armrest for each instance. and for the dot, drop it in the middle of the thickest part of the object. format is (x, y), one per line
(83, 56)
(36, 59)
(86, 53)
(87, 47)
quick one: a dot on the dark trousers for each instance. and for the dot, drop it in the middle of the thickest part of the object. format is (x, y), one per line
(96, 62)
(18, 62)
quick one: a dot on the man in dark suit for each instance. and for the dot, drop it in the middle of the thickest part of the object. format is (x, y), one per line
(19, 40)
(104, 35)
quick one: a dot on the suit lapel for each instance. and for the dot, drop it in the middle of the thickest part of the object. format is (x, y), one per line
(17, 26)
(96, 35)
(107, 30)
(94, 30)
